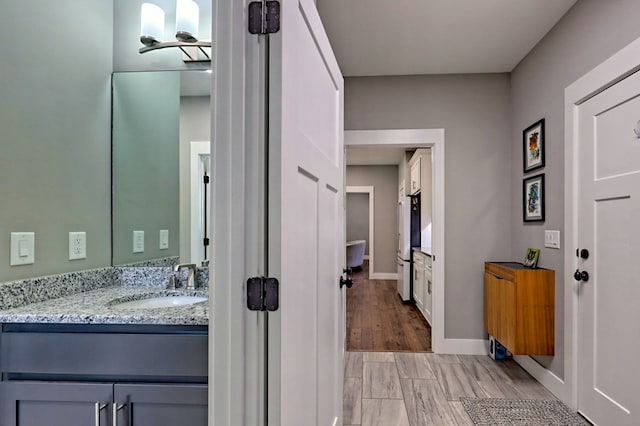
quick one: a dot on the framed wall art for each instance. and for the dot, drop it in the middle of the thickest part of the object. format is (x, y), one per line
(531, 258)
(533, 146)
(533, 198)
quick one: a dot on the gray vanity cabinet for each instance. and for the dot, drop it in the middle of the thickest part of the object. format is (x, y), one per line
(161, 405)
(83, 404)
(53, 404)
(93, 375)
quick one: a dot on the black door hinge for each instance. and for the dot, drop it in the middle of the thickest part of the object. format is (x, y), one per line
(264, 20)
(262, 294)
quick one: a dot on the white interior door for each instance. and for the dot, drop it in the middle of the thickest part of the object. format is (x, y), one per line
(608, 227)
(306, 222)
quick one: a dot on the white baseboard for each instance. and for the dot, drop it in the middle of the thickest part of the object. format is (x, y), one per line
(464, 347)
(549, 380)
(365, 257)
(383, 276)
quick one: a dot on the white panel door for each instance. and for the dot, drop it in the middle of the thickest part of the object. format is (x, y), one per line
(609, 228)
(306, 222)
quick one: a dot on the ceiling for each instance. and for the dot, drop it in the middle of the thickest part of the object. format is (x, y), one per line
(406, 37)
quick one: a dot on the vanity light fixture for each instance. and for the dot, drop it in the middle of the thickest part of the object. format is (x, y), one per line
(187, 18)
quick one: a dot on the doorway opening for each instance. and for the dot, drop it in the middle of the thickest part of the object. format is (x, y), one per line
(360, 224)
(200, 202)
(378, 316)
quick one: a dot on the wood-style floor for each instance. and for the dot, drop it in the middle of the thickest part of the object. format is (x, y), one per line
(419, 389)
(377, 320)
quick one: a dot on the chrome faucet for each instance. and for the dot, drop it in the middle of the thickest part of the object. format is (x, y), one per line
(190, 278)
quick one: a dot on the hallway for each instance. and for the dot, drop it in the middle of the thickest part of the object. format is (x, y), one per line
(377, 320)
(391, 378)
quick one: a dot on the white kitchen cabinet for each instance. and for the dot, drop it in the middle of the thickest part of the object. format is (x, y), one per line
(427, 285)
(418, 279)
(422, 286)
(415, 174)
(418, 287)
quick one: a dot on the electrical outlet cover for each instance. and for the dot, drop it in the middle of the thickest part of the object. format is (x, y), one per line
(77, 245)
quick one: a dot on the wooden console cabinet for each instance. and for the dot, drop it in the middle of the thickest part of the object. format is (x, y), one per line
(519, 307)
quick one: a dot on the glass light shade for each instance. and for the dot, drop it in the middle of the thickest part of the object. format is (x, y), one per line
(151, 24)
(187, 17)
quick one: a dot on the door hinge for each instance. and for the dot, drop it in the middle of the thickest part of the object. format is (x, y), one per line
(262, 294)
(205, 241)
(264, 17)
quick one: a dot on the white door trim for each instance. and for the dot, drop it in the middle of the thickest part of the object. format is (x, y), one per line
(434, 139)
(617, 67)
(235, 376)
(367, 190)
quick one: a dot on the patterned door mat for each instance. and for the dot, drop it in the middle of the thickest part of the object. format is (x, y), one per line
(520, 412)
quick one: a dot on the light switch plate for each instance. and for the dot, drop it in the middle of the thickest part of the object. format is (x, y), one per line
(164, 239)
(77, 245)
(138, 241)
(552, 239)
(22, 248)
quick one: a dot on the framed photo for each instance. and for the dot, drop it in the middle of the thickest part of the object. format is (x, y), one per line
(533, 146)
(531, 259)
(533, 198)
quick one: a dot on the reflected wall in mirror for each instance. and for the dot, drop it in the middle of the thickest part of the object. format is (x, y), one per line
(161, 133)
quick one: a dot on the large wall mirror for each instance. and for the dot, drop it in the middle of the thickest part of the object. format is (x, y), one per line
(56, 134)
(160, 167)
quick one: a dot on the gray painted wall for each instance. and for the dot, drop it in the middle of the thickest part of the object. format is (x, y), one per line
(358, 218)
(474, 111)
(384, 180)
(589, 33)
(146, 120)
(55, 123)
(195, 126)
(127, 39)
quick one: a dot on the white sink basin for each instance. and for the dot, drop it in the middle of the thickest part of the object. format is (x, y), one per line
(160, 302)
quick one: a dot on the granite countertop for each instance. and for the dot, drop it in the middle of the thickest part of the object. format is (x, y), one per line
(424, 249)
(96, 307)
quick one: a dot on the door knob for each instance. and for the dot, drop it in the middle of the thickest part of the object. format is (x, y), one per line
(348, 271)
(346, 281)
(581, 275)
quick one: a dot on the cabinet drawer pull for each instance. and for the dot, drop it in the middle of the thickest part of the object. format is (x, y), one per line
(116, 407)
(99, 407)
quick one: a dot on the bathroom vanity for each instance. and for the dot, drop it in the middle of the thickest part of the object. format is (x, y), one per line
(82, 360)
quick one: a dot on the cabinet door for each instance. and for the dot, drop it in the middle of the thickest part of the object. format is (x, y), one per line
(161, 405)
(418, 285)
(55, 404)
(426, 301)
(500, 310)
(415, 177)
